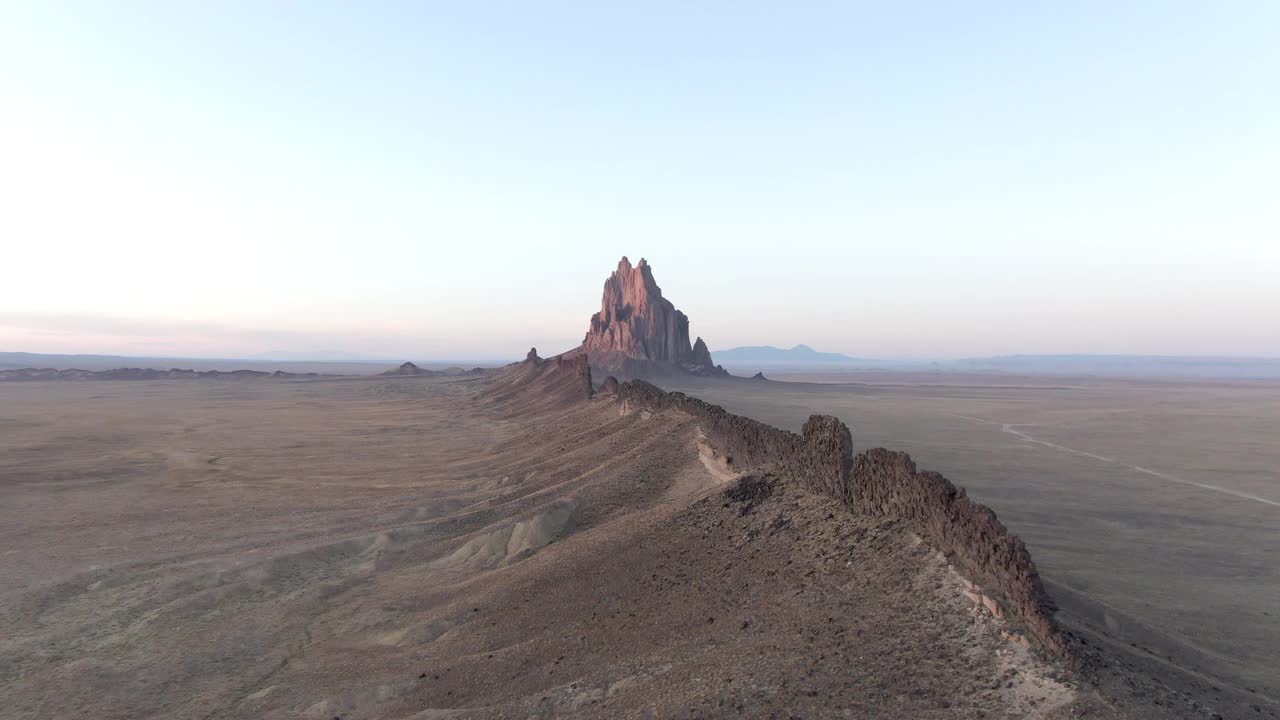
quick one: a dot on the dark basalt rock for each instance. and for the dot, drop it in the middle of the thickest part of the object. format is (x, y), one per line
(610, 386)
(750, 491)
(881, 483)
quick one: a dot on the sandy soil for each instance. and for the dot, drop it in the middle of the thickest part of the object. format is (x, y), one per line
(404, 548)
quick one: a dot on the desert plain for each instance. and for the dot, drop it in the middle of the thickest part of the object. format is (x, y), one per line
(430, 548)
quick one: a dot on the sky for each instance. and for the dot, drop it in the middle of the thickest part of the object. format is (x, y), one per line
(443, 180)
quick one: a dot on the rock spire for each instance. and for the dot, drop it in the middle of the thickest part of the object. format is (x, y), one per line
(638, 332)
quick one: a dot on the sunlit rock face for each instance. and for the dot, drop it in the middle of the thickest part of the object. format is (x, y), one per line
(640, 333)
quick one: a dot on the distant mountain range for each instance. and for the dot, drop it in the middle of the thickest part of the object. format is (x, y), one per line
(18, 360)
(740, 360)
(750, 359)
(770, 355)
(35, 374)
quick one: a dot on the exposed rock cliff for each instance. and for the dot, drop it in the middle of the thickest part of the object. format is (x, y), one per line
(640, 333)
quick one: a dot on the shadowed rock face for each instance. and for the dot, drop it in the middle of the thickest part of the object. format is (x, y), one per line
(640, 333)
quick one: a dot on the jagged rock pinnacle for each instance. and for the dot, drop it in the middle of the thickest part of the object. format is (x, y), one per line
(642, 330)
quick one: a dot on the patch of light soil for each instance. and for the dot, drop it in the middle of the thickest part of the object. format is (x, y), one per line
(1023, 680)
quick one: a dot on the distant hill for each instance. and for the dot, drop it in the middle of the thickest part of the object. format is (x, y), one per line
(770, 355)
(18, 360)
(35, 374)
(15, 360)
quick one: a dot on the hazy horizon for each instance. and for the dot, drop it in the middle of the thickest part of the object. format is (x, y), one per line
(456, 182)
(1084, 363)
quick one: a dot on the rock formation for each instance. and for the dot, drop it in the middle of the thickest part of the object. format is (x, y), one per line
(537, 382)
(640, 333)
(880, 483)
(409, 368)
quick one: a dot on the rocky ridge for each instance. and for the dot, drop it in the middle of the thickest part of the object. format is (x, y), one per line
(879, 483)
(876, 482)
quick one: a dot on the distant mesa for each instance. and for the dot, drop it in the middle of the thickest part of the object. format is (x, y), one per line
(770, 355)
(639, 333)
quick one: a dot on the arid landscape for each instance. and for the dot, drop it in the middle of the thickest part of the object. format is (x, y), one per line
(400, 548)
(337, 381)
(533, 541)
(431, 548)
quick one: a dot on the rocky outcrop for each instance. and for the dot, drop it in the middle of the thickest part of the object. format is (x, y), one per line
(409, 368)
(639, 333)
(880, 483)
(457, 371)
(701, 355)
(538, 383)
(31, 374)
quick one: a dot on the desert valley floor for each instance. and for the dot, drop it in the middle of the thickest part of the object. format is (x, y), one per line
(416, 548)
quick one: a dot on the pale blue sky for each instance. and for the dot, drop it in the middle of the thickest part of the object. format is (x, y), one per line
(450, 180)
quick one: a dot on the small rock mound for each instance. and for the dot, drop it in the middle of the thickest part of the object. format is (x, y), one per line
(411, 369)
(610, 386)
(750, 491)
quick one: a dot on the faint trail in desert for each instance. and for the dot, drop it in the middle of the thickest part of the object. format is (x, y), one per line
(1011, 428)
(1165, 476)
